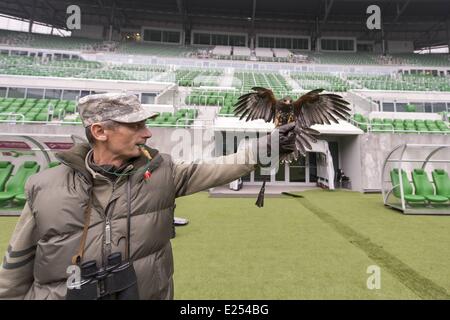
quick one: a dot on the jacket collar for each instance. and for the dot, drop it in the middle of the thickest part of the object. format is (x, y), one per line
(75, 159)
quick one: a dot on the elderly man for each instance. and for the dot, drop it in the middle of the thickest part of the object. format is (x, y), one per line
(111, 200)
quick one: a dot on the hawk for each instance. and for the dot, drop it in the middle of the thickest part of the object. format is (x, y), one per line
(310, 109)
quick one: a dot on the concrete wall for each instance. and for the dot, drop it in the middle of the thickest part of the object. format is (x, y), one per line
(360, 103)
(89, 31)
(350, 160)
(405, 96)
(238, 65)
(374, 148)
(400, 46)
(82, 84)
(361, 157)
(166, 140)
(168, 96)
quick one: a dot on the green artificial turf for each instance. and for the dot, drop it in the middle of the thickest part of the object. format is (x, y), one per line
(234, 250)
(7, 225)
(315, 247)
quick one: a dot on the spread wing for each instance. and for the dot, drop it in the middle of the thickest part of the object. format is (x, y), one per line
(315, 108)
(256, 105)
(303, 138)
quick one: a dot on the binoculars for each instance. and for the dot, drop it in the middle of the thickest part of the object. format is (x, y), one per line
(116, 281)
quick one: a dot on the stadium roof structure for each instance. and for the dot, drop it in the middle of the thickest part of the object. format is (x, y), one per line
(424, 21)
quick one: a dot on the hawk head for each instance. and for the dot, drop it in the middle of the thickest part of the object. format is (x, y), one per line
(286, 101)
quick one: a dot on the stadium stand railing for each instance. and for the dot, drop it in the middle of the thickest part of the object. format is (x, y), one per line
(221, 52)
(46, 111)
(396, 123)
(155, 49)
(241, 53)
(311, 81)
(196, 78)
(402, 82)
(181, 118)
(35, 40)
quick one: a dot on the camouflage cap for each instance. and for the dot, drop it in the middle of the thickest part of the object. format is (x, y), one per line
(119, 107)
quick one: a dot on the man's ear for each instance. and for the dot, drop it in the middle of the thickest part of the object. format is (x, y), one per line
(98, 132)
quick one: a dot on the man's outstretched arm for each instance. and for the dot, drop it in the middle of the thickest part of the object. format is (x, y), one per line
(190, 178)
(16, 271)
(193, 177)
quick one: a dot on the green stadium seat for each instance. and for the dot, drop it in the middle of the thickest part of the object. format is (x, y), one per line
(407, 187)
(53, 164)
(409, 126)
(362, 122)
(410, 108)
(16, 184)
(421, 128)
(224, 110)
(160, 120)
(377, 121)
(358, 117)
(179, 114)
(183, 122)
(202, 100)
(377, 127)
(408, 122)
(193, 100)
(433, 128)
(171, 120)
(440, 123)
(166, 115)
(398, 126)
(70, 108)
(441, 182)
(6, 169)
(151, 122)
(424, 187)
(41, 117)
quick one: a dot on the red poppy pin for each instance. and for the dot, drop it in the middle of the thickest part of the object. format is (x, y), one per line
(147, 175)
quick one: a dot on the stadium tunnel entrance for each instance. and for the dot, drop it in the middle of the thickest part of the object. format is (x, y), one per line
(315, 169)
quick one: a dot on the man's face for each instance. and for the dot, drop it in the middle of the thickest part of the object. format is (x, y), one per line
(122, 140)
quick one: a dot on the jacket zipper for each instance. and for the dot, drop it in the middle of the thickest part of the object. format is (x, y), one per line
(107, 232)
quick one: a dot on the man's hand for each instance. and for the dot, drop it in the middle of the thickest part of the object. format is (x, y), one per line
(287, 138)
